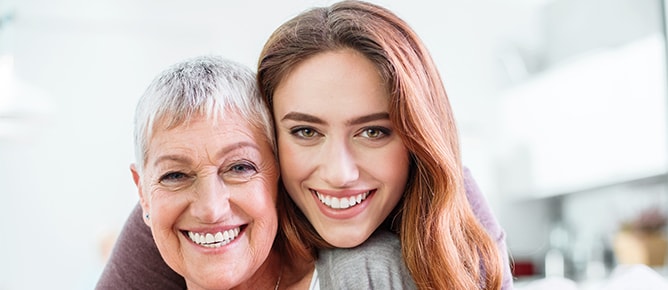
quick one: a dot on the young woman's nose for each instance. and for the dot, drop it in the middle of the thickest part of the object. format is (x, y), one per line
(338, 165)
(212, 200)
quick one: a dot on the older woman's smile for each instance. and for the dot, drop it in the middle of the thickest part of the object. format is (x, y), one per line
(213, 240)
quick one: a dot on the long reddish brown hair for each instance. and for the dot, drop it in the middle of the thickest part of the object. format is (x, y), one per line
(443, 245)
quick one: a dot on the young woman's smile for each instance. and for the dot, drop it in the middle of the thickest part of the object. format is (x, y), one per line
(340, 160)
(342, 204)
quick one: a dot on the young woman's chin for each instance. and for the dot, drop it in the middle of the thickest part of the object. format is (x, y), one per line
(348, 239)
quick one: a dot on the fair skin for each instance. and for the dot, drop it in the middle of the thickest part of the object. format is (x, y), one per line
(216, 179)
(341, 162)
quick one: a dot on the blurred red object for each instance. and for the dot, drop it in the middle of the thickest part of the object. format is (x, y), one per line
(523, 268)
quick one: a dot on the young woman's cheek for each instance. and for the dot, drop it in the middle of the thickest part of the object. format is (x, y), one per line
(293, 159)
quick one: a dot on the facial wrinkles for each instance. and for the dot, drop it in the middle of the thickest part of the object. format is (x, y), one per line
(208, 150)
(178, 159)
(190, 156)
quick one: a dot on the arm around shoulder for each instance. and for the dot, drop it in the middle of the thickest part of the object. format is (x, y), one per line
(135, 262)
(485, 216)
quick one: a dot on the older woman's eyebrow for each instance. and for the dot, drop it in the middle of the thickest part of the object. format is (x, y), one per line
(185, 159)
(237, 146)
(178, 158)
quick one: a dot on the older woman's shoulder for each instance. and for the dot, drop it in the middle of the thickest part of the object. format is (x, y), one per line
(375, 264)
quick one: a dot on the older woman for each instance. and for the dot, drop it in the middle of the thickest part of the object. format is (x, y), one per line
(207, 176)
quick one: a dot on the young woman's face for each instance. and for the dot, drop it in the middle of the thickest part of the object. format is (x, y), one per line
(341, 161)
(210, 189)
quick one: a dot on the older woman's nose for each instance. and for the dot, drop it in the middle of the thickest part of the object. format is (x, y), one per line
(212, 200)
(338, 165)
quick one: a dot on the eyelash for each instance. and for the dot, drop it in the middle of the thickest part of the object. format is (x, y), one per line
(243, 167)
(299, 132)
(382, 131)
(173, 176)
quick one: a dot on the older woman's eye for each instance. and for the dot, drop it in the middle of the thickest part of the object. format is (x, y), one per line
(173, 177)
(240, 172)
(243, 168)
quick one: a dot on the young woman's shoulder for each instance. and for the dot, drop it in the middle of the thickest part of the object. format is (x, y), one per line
(375, 264)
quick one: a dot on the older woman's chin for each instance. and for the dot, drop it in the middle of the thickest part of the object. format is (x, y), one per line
(224, 266)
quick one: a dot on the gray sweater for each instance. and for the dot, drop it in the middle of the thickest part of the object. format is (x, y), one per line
(375, 264)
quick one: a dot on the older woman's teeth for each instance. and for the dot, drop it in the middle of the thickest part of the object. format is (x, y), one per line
(216, 240)
(343, 202)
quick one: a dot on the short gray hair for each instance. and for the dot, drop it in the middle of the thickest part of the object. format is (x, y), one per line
(205, 85)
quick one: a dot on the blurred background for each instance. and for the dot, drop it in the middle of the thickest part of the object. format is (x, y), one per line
(561, 106)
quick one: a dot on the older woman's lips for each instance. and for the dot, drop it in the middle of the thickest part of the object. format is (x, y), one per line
(214, 240)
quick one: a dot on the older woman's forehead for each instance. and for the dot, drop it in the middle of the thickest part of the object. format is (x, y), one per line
(201, 126)
(223, 107)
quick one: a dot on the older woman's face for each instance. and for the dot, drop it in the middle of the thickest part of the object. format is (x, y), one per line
(210, 188)
(341, 161)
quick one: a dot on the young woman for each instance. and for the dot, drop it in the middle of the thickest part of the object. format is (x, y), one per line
(366, 141)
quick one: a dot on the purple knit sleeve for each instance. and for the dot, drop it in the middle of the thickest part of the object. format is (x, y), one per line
(484, 214)
(135, 262)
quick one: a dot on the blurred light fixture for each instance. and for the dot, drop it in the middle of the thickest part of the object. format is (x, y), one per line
(20, 103)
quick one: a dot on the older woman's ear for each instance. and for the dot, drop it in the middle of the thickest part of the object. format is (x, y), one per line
(144, 201)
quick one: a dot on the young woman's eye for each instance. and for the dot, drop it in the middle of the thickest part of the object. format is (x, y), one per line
(304, 132)
(375, 132)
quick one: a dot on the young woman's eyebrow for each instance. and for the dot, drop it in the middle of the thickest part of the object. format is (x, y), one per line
(369, 118)
(295, 116)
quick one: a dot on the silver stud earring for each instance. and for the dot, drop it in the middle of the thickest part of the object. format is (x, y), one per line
(147, 216)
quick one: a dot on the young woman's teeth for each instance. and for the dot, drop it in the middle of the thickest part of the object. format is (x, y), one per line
(343, 202)
(216, 240)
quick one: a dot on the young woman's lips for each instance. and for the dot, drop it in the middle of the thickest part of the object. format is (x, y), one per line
(342, 207)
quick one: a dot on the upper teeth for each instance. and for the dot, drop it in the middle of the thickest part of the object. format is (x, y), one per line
(343, 202)
(216, 240)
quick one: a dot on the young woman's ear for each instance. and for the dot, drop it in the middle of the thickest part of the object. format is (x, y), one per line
(143, 200)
